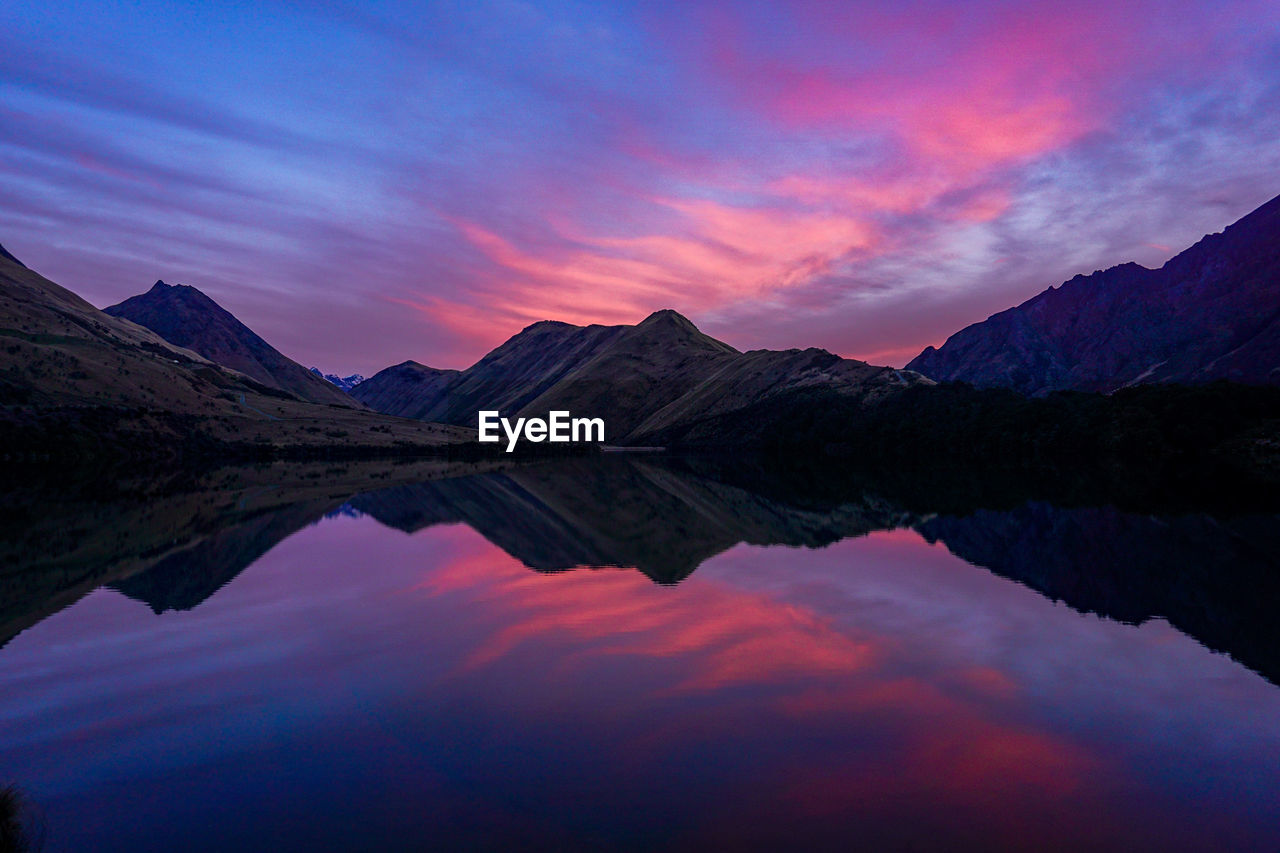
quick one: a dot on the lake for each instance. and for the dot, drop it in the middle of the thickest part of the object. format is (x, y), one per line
(632, 653)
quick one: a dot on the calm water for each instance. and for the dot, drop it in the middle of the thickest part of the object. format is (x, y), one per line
(629, 655)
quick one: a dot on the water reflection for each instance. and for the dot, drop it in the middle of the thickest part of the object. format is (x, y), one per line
(664, 520)
(357, 688)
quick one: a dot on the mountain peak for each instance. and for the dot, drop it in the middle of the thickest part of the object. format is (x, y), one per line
(668, 316)
(548, 325)
(346, 383)
(668, 327)
(186, 317)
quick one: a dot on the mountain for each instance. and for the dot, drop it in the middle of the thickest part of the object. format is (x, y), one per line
(407, 390)
(759, 377)
(184, 316)
(1211, 312)
(60, 350)
(77, 382)
(639, 378)
(506, 379)
(346, 383)
(642, 369)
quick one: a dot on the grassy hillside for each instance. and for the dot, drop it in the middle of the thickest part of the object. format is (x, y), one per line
(75, 381)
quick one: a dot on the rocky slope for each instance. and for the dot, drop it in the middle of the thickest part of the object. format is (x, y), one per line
(1212, 312)
(57, 349)
(185, 317)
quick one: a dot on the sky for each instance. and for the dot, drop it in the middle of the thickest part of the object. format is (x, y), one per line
(368, 182)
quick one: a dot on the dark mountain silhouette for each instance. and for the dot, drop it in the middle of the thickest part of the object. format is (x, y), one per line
(60, 350)
(408, 390)
(642, 369)
(77, 382)
(506, 379)
(185, 317)
(638, 378)
(762, 380)
(1212, 312)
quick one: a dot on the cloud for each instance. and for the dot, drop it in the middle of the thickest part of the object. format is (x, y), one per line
(859, 178)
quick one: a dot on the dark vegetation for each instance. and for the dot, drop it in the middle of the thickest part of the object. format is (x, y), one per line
(1219, 436)
(1146, 443)
(105, 436)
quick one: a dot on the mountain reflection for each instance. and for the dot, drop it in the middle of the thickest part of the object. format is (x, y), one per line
(659, 519)
(172, 544)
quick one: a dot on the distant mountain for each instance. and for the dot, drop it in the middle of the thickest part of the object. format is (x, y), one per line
(1211, 312)
(78, 382)
(61, 351)
(638, 378)
(407, 390)
(506, 379)
(184, 316)
(346, 383)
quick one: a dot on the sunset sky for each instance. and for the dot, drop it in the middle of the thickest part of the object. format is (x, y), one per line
(363, 183)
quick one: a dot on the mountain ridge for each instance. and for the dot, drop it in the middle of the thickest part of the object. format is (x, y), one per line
(1210, 312)
(628, 375)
